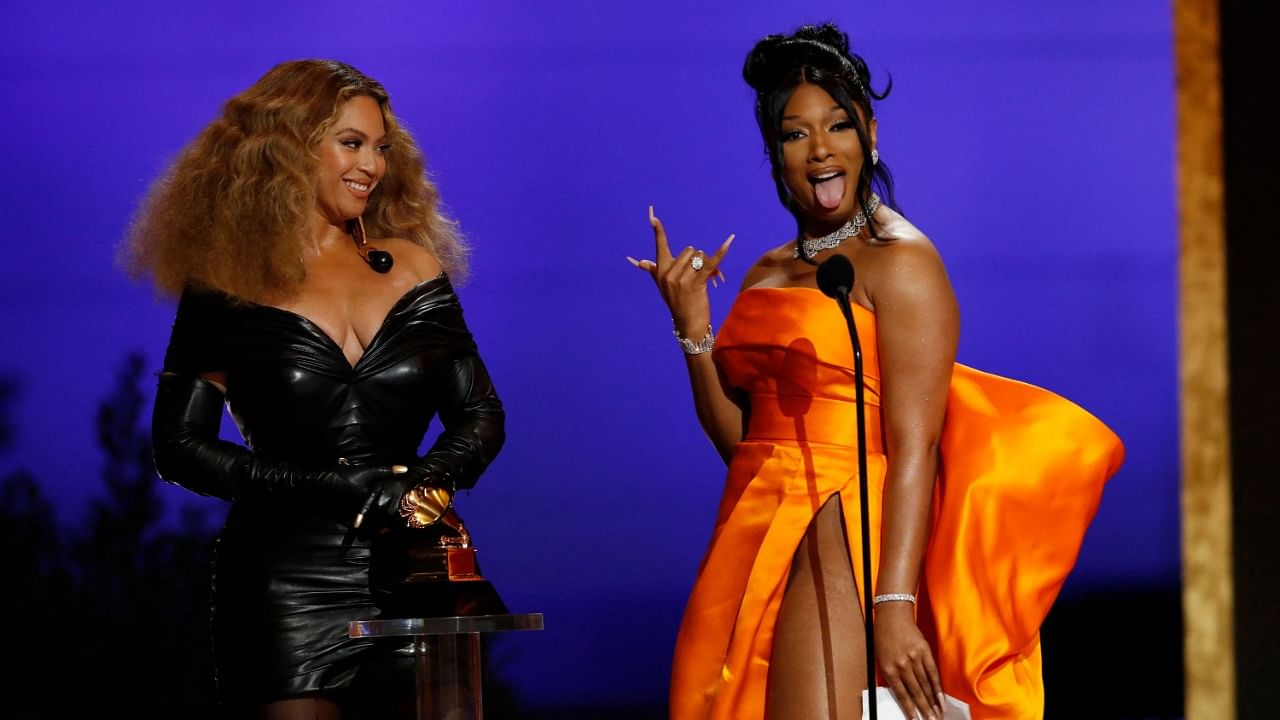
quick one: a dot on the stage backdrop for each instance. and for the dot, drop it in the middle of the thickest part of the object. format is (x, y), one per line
(1031, 141)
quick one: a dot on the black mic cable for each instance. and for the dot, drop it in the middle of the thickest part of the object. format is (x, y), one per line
(835, 280)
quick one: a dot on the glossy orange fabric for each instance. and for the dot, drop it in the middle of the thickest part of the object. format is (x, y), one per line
(1022, 474)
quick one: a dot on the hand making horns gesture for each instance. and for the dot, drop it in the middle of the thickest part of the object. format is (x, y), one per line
(682, 279)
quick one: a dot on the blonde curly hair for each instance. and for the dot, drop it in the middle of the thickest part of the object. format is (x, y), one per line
(235, 209)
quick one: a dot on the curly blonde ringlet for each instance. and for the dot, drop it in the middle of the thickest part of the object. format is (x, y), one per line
(235, 209)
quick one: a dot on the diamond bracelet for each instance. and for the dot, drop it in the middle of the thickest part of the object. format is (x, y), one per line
(894, 597)
(706, 344)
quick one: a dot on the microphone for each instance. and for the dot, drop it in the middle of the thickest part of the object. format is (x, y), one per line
(835, 280)
(835, 277)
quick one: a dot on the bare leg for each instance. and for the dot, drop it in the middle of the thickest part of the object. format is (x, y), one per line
(307, 708)
(818, 668)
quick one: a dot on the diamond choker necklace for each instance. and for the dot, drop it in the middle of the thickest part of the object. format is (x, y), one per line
(812, 246)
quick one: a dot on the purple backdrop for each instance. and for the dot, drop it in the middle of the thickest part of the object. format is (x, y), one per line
(1033, 142)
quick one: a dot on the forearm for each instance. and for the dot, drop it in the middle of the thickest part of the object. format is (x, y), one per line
(475, 428)
(189, 453)
(904, 532)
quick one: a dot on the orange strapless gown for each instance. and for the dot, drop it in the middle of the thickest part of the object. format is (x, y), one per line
(1021, 477)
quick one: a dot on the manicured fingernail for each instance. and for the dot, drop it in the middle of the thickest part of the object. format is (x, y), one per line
(650, 213)
(368, 505)
(633, 261)
(728, 241)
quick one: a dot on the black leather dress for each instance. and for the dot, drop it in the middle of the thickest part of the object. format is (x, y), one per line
(289, 578)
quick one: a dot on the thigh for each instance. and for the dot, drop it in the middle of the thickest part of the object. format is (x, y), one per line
(818, 665)
(304, 708)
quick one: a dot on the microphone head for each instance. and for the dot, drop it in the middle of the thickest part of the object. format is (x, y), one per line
(835, 276)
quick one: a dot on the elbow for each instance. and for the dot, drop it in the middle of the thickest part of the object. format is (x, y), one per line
(913, 446)
(493, 438)
(491, 418)
(915, 460)
(166, 456)
(172, 462)
(496, 442)
(480, 445)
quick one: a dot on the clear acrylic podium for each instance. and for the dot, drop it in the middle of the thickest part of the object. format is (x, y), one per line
(447, 673)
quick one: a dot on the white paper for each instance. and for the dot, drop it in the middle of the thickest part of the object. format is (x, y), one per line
(887, 707)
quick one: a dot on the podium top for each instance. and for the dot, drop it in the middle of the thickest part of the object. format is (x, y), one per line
(444, 625)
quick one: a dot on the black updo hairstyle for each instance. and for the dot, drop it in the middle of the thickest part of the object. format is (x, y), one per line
(820, 55)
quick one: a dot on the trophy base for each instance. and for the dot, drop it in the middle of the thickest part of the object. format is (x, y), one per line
(444, 599)
(419, 580)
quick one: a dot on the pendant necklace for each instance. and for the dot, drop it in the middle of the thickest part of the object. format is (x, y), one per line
(380, 260)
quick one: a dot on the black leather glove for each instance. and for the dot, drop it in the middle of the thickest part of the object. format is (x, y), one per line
(184, 435)
(381, 508)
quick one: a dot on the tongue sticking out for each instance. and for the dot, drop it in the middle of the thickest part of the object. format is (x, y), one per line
(830, 192)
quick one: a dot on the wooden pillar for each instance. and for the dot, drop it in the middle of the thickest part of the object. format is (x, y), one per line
(1228, 65)
(1208, 588)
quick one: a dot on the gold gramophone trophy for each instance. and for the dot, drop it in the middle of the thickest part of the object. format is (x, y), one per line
(430, 569)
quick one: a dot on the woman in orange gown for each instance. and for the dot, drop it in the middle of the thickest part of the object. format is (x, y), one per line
(981, 488)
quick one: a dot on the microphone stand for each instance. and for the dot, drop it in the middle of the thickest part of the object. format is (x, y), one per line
(835, 279)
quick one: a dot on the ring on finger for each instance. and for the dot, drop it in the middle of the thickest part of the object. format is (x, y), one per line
(696, 262)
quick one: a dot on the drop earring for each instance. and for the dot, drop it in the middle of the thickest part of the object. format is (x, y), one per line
(875, 156)
(380, 260)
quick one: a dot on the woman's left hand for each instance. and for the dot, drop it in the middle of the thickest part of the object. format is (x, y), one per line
(906, 661)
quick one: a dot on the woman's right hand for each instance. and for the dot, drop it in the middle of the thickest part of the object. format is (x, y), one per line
(682, 279)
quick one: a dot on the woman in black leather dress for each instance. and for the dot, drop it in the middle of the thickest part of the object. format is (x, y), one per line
(332, 349)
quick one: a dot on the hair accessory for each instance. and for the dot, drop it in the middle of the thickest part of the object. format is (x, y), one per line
(696, 262)
(875, 156)
(859, 220)
(380, 260)
(833, 51)
(894, 597)
(706, 344)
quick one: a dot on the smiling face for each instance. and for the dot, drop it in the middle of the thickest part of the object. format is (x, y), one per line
(821, 158)
(352, 160)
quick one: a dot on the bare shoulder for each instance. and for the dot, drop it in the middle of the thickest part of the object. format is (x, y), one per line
(905, 264)
(771, 269)
(415, 257)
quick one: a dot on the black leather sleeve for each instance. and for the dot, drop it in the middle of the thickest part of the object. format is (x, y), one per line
(474, 427)
(188, 452)
(474, 431)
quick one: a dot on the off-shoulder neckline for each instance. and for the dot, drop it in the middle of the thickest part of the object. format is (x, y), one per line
(398, 306)
(788, 288)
